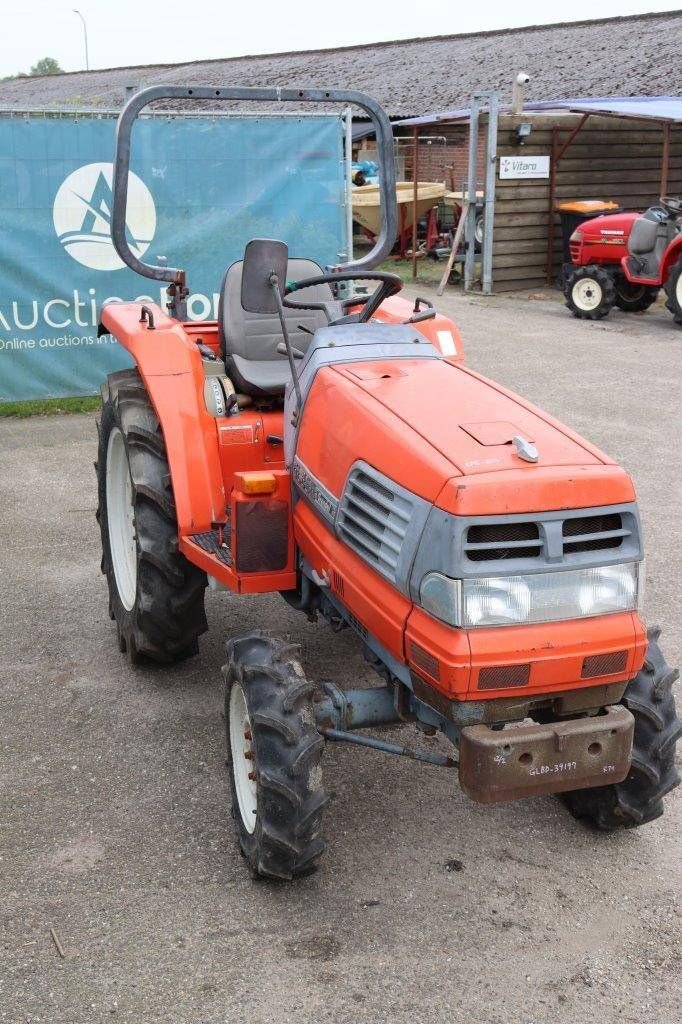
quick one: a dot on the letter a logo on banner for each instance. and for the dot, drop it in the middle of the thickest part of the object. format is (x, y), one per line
(82, 216)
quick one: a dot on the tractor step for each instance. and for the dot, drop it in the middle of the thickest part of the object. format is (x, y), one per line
(210, 542)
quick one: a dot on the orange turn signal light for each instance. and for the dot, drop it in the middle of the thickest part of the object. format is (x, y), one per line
(256, 483)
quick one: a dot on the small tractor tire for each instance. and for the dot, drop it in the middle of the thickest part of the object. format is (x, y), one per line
(673, 289)
(156, 596)
(634, 298)
(590, 292)
(274, 758)
(639, 798)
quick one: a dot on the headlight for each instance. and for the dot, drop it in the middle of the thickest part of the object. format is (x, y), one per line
(536, 597)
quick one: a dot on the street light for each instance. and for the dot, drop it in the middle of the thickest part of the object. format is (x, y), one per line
(85, 36)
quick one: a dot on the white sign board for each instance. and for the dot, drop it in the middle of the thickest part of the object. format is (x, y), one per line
(524, 166)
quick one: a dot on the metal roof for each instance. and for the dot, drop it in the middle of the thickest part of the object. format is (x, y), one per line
(638, 54)
(650, 108)
(655, 108)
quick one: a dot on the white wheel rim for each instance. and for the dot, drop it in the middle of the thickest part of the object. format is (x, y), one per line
(121, 520)
(587, 293)
(241, 752)
(678, 291)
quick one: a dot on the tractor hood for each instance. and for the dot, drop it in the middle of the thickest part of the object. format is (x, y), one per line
(611, 227)
(448, 434)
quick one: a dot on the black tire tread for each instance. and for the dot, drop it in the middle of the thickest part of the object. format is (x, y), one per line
(672, 305)
(606, 282)
(288, 750)
(638, 304)
(168, 616)
(653, 773)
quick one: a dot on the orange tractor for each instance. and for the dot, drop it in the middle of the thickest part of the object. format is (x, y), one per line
(332, 446)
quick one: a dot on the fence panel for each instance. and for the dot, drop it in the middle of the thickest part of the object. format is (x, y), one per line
(200, 187)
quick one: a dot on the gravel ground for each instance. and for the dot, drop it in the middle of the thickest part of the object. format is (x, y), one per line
(114, 818)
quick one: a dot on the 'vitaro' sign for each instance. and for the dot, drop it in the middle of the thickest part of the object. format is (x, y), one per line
(524, 166)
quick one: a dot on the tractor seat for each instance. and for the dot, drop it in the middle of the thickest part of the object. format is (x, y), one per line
(249, 341)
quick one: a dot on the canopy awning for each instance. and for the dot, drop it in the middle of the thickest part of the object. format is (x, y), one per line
(650, 108)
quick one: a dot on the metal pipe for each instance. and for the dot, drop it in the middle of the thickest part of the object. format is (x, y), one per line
(472, 171)
(349, 183)
(85, 36)
(176, 276)
(489, 196)
(415, 196)
(356, 709)
(415, 754)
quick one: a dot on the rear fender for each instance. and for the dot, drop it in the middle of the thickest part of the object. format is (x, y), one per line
(439, 330)
(671, 256)
(171, 368)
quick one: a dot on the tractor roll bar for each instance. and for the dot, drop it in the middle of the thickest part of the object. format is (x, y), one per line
(175, 276)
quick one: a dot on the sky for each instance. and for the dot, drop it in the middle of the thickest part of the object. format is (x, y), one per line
(126, 32)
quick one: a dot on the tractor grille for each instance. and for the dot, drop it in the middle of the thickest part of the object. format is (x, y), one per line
(593, 533)
(373, 520)
(553, 538)
(604, 664)
(574, 249)
(497, 677)
(489, 541)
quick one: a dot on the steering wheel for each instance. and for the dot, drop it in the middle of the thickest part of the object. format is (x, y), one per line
(672, 205)
(335, 310)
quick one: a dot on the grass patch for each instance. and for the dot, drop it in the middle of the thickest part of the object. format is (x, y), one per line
(49, 406)
(428, 271)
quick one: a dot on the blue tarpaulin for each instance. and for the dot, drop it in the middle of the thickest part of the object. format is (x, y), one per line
(201, 187)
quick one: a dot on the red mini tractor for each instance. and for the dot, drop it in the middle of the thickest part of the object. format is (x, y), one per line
(623, 259)
(334, 448)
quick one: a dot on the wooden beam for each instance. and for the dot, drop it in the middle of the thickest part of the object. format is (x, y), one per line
(665, 164)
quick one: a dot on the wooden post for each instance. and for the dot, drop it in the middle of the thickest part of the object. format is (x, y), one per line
(665, 162)
(550, 207)
(455, 246)
(415, 194)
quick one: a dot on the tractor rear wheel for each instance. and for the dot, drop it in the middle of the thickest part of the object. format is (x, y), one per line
(156, 596)
(634, 298)
(673, 289)
(590, 292)
(639, 798)
(274, 755)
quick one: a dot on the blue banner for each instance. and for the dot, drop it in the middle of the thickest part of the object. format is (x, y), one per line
(200, 188)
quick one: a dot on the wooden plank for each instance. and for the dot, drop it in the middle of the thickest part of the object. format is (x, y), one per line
(536, 259)
(530, 219)
(517, 273)
(524, 245)
(531, 232)
(459, 233)
(531, 284)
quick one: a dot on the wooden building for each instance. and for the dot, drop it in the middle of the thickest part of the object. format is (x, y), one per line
(630, 162)
(626, 150)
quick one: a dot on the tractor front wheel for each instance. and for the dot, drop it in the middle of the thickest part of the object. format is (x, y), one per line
(634, 298)
(673, 289)
(274, 755)
(639, 798)
(590, 293)
(156, 596)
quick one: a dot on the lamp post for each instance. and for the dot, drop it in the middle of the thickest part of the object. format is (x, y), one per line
(85, 36)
